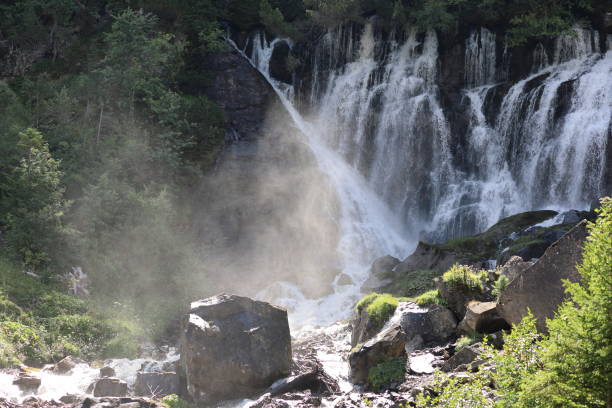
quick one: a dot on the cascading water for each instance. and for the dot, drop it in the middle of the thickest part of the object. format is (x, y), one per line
(381, 105)
(367, 228)
(375, 110)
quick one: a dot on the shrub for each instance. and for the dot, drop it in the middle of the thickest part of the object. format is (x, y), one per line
(380, 307)
(431, 297)
(461, 275)
(386, 372)
(174, 401)
(465, 341)
(500, 285)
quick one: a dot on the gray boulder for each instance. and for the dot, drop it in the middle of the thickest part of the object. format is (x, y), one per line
(514, 266)
(156, 383)
(110, 387)
(233, 347)
(410, 327)
(66, 364)
(107, 371)
(462, 358)
(540, 287)
(27, 382)
(458, 295)
(380, 272)
(434, 324)
(482, 317)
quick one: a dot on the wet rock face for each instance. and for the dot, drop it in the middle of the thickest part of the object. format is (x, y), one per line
(540, 288)
(240, 91)
(157, 383)
(27, 382)
(233, 347)
(66, 364)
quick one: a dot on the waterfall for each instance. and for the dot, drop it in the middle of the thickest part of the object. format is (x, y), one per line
(368, 228)
(381, 134)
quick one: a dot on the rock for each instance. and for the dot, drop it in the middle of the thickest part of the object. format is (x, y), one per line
(110, 387)
(457, 296)
(113, 402)
(66, 364)
(540, 288)
(70, 398)
(426, 256)
(409, 328)
(27, 382)
(462, 357)
(569, 217)
(434, 324)
(380, 272)
(107, 372)
(344, 280)
(514, 266)
(156, 383)
(421, 364)
(387, 345)
(482, 317)
(530, 250)
(363, 328)
(233, 347)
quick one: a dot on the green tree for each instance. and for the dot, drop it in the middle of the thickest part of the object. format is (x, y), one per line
(37, 202)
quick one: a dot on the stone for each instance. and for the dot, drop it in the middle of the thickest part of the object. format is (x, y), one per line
(110, 387)
(107, 372)
(426, 256)
(156, 383)
(421, 363)
(458, 296)
(66, 364)
(514, 266)
(233, 347)
(363, 328)
(462, 357)
(482, 317)
(434, 324)
(27, 382)
(540, 287)
(380, 272)
(387, 345)
(410, 327)
(70, 398)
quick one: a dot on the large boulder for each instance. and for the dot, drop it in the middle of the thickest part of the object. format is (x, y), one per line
(457, 295)
(540, 287)
(514, 266)
(27, 382)
(387, 345)
(482, 317)
(156, 383)
(434, 324)
(410, 327)
(380, 272)
(65, 365)
(233, 347)
(110, 387)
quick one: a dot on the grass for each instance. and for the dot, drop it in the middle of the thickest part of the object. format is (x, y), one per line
(386, 372)
(431, 297)
(461, 275)
(413, 283)
(465, 341)
(500, 284)
(41, 324)
(379, 307)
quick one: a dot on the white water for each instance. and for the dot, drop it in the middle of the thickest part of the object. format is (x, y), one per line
(77, 380)
(380, 103)
(368, 229)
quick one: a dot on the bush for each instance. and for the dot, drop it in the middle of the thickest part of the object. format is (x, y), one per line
(174, 401)
(461, 275)
(500, 284)
(465, 341)
(386, 372)
(380, 307)
(431, 297)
